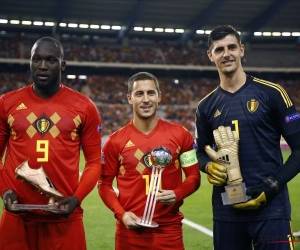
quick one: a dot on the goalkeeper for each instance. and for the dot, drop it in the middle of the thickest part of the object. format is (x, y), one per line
(260, 113)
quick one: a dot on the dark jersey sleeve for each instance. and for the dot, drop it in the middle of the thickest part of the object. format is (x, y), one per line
(203, 137)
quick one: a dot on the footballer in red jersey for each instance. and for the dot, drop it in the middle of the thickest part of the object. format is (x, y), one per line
(44, 126)
(125, 156)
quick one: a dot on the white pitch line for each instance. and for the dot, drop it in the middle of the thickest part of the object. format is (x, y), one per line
(198, 227)
(189, 223)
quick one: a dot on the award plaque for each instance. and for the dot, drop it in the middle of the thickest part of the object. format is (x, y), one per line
(51, 206)
(40, 180)
(160, 157)
(235, 193)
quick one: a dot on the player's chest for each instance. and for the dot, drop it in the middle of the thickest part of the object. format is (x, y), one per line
(44, 121)
(239, 111)
(138, 159)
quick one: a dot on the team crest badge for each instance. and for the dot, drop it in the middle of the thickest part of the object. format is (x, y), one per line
(147, 160)
(43, 125)
(252, 105)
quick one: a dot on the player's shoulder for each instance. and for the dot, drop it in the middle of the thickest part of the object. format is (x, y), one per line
(273, 91)
(74, 94)
(119, 138)
(267, 86)
(121, 132)
(172, 126)
(13, 93)
(204, 102)
(15, 97)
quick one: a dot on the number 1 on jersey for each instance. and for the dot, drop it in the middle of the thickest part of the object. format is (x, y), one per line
(236, 127)
(147, 178)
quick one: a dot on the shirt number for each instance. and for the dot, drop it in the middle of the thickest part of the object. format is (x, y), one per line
(147, 183)
(42, 146)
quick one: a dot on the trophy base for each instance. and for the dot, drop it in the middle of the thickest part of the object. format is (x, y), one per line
(151, 224)
(33, 206)
(235, 193)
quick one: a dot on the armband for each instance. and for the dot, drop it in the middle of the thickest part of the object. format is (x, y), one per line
(188, 158)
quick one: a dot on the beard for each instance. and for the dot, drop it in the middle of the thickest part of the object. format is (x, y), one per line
(44, 85)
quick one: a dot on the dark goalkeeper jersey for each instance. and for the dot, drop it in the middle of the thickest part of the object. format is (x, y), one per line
(260, 112)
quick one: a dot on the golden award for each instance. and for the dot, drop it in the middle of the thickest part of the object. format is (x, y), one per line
(40, 180)
(227, 143)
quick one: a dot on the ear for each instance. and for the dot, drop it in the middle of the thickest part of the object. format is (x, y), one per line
(129, 99)
(159, 97)
(63, 65)
(242, 50)
(209, 54)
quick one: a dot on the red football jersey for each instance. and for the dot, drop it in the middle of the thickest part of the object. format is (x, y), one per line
(49, 133)
(125, 155)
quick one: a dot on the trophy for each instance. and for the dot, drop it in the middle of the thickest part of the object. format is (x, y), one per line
(160, 157)
(39, 179)
(227, 155)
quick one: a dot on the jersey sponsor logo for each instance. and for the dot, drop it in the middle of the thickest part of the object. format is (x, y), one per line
(252, 105)
(99, 128)
(43, 125)
(217, 113)
(21, 106)
(224, 159)
(129, 144)
(292, 117)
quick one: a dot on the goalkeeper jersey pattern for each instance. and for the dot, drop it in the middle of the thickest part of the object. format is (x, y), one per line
(260, 112)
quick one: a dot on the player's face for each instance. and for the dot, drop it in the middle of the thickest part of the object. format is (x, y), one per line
(144, 98)
(46, 65)
(226, 54)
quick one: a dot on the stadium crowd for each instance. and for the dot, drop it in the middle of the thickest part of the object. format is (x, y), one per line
(109, 93)
(152, 52)
(157, 53)
(180, 95)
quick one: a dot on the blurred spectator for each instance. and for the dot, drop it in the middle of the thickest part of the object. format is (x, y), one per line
(109, 91)
(109, 94)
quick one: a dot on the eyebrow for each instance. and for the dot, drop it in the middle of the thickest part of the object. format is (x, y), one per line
(229, 45)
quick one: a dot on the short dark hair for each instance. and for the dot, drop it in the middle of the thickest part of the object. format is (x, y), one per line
(52, 40)
(142, 76)
(220, 32)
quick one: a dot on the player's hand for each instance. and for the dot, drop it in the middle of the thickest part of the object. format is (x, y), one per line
(227, 142)
(216, 174)
(129, 219)
(167, 197)
(260, 195)
(9, 198)
(67, 205)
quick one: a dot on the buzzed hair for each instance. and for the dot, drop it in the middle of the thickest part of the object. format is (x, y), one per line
(220, 32)
(142, 76)
(52, 40)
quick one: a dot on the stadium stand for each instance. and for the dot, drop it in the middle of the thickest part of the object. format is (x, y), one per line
(109, 93)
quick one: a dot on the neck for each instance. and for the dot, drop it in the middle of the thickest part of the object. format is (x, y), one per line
(232, 82)
(46, 92)
(145, 125)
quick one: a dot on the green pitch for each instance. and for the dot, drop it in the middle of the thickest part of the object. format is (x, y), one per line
(100, 223)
